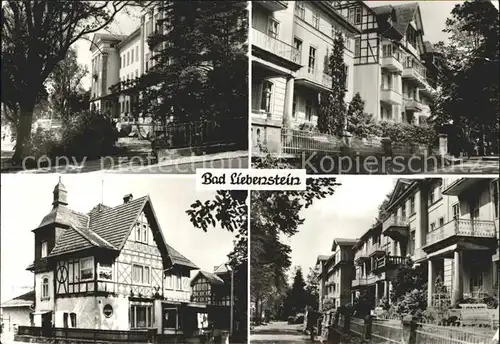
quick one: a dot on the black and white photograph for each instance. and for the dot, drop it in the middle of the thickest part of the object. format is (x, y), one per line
(411, 261)
(122, 259)
(124, 86)
(376, 87)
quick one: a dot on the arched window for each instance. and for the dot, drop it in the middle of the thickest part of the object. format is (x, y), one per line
(45, 288)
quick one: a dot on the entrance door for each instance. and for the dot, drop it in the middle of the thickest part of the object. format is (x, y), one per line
(47, 323)
(170, 319)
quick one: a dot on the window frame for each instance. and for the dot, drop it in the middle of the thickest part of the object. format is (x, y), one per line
(312, 69)
(81, 268)
(315, 20)
(270, 93)
(271, 24)
(45, 295)
(44, 248)
(300, 10)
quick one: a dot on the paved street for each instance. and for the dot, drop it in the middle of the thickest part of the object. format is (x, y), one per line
(281, 333)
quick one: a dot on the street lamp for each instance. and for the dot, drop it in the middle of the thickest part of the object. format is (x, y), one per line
(231, 300)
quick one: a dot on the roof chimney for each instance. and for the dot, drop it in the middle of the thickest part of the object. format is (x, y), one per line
(127, 198)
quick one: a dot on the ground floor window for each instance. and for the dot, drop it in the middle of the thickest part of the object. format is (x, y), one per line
(141, 316)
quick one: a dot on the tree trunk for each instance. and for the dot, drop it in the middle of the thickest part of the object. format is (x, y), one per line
(23, 132)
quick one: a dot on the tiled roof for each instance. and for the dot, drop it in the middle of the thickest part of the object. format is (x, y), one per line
(24, 300)
(179, 259)
(404, 15)
(114, 224)
(105, 227)
(212, 278)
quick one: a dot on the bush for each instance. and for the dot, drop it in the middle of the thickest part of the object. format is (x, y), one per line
(86, 134)
(408, 134)
(413, 303)
(89, 134)
(306, 126)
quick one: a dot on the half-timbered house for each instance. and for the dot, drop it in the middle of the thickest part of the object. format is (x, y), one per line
(214, 290)
(110, 269)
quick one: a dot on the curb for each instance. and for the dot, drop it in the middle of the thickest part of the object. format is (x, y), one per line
(179, 161)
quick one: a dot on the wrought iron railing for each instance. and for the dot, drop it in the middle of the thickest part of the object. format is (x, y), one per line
(86, 334)
(198, 134)
(266, 42)
(296, 141)
(462, 227)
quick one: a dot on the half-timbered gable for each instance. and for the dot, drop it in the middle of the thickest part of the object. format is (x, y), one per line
(113, 262)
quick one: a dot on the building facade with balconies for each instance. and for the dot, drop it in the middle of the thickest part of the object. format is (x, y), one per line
(291, 43)
(374, 258)
(388, 71)
(451, 227)
(117, 60)
(336, 273)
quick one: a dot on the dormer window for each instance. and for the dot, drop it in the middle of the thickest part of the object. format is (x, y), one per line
(45, 249)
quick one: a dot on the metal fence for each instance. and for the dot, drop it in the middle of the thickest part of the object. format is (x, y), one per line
(357, 326)
(296, 141)
(387, 331)
(435, 334)
(197, 134)
(86, 334)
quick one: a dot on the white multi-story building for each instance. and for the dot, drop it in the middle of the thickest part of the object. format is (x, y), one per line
(389, 72)
(291, 43)
(117, 59)
(448, 225)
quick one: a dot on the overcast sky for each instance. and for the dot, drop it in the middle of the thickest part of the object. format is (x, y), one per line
(348, 213)
(27, 199)
(434, 14)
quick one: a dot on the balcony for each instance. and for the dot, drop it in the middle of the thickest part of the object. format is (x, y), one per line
(412, 105)
(360, 256)
(273, 5)
(462, 229)
(460, 185)
(415, 73)
(388, 263)
(392, 62)
(363, 281)
(396, 228)
(276, 47)
(314, 79)
(390, 96)
(376, 250)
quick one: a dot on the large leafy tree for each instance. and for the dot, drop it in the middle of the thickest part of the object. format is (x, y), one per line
(200, 69)
(67, 93)
(312, 288)
(468, 80)
(36, 36)
(275, 214)
(332, 107)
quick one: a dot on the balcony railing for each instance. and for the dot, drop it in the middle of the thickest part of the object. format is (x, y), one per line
(394, 221)
(390, 96)
(463, 228)
(274, 5)
(316, 76)
(412, 105)
(416, 72)
(388, 262)
(275, 46)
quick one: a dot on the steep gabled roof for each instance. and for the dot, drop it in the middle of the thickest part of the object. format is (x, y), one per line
(343, 242)
(211, 277)
(404, 15)
(109, 228)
